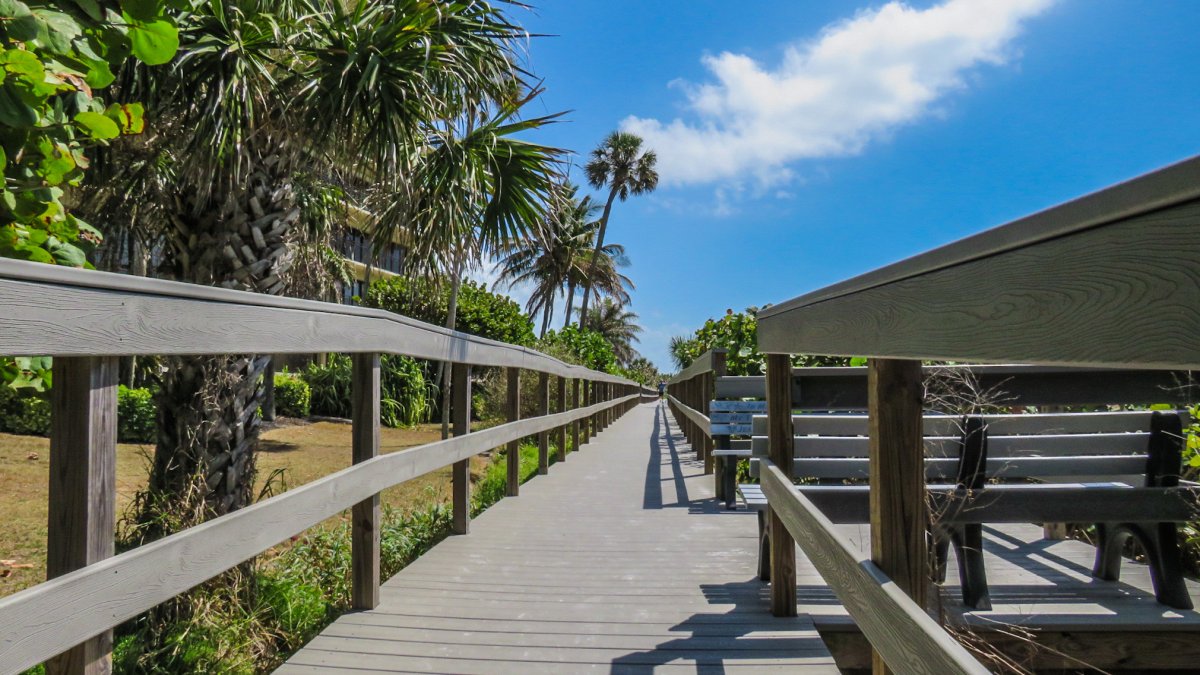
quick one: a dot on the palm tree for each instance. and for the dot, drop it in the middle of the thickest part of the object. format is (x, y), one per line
(619, 164)
(259, 89)
(474, 190)
(618, 325)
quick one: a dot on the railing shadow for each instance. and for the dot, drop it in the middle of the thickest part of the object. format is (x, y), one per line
(653, 494)
(745, 633)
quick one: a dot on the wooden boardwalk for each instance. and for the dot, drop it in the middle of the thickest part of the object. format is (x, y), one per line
(605, 565)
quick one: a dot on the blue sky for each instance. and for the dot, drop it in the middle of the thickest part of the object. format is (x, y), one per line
(804, 142)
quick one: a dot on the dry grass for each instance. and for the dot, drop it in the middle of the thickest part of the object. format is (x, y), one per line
(303, 452)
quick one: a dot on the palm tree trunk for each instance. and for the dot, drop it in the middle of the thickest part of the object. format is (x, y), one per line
(208, 422)
(546, 317)
(570, 301)
(451, 321)
(587, 289)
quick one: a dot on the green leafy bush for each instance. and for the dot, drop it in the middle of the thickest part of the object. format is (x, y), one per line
(480, 312)
(137, 415)
(586, 347)
(737, 333)
(293, 396)
(404, 390)
(24, 412)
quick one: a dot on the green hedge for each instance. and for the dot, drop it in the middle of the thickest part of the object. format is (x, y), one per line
(404, 391)
(293, 396)
(137, 415)
(28, 413)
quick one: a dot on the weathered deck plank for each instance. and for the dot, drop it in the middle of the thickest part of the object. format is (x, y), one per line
(603, 566)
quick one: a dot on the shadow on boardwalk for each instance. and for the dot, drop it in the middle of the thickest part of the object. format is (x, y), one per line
(739, 637)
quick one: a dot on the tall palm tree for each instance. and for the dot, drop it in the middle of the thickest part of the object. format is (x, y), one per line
(473, 190)
(259, 89)
(619, 164)
(618, 325)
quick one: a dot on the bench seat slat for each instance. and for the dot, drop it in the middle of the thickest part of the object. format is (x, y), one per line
(999, 425)
(998, 446)
(1059, 502)
(1000, 467)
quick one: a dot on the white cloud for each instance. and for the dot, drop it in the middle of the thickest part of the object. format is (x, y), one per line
(829, 96)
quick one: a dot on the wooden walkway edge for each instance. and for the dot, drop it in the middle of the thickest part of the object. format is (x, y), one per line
(602, 566)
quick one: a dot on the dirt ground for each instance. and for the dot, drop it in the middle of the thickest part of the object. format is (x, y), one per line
(292, 453)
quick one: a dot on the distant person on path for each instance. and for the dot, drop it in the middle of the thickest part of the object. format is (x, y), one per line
(662, 388)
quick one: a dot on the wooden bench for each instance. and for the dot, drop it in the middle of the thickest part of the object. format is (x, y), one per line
(1118, 470)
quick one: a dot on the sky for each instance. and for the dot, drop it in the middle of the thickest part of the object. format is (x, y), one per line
(804, 142)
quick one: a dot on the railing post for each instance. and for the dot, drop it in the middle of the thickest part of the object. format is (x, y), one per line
(899, 515)
(543, 403)
(576, 383)
(83, 470)
(460, 388)
(562, 407)
(364, 540)
(513, 487)
(719, 442)
(706, 389)
(593, 399)
(779, 434)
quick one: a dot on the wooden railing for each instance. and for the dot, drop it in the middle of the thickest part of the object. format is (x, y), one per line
(1109, 280)
(87, 319)
(688, 394)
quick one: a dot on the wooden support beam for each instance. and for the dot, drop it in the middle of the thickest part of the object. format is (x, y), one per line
(779, 433)
(562, 407)
(83, 470)
(706, 392)
(721, 442)
(575, 385)
(899, 515)
(364, 541)
(513, 458)
(460, 389)
(543, 438)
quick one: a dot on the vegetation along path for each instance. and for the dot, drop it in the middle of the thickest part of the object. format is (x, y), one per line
(619, 561)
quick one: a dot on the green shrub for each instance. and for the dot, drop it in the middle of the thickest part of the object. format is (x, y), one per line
(293, 396)
(404, 391)
(24, 412)
(137, 414)
(480, 312)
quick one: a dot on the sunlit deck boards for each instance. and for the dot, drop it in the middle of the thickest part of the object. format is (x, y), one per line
(1042, 589)
(618, 561)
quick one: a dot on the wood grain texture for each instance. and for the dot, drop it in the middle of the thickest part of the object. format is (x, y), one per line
(576, 437)
(543, 438)
(561, 432)
(460, 392)
(898, 628)
(899, 515)
(513, 452)
(1162, 189)
(70, 312)
(82, 494)
(1076, 300)
(39, 622)
(365, 516)
(779, 434)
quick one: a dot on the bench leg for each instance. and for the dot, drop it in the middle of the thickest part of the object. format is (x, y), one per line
(1162, 552)
(729, 476)
(718, 479)
(968, 546)
(941, 553)
(764, 547)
